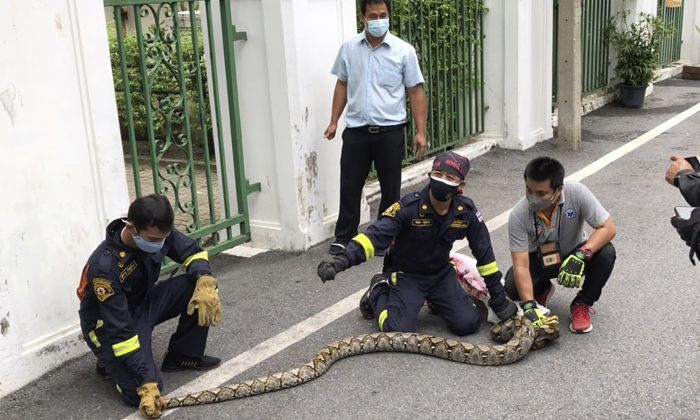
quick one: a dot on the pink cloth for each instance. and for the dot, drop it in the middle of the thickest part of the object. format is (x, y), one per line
(468, 275)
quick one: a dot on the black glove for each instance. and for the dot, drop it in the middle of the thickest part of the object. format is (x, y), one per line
(503, 307)
(689, 231)
(327, 270)
(533, 313)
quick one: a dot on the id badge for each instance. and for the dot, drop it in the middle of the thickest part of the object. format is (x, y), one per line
(549, 254)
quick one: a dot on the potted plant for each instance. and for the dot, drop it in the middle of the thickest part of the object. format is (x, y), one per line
(637, 49)
(692, 71)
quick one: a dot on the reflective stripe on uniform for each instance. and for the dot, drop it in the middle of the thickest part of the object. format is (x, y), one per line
(381, 319)
(204, 255)
(393, 278)
(126, 346)
(363, 240)
(93, 336)
(119, 388)
(487, 269)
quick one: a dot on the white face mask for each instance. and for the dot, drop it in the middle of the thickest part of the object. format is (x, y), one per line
(377, 27)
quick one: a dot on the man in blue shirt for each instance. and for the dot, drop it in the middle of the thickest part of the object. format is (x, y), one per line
(374, 70)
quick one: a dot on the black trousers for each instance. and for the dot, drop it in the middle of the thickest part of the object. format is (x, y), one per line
(597, 272)
(360, 149)
(168, 299)
(396, 307)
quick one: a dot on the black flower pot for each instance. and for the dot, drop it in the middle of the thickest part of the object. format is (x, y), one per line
(632, 96)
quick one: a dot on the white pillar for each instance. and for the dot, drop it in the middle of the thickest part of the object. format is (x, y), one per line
(690, 48)
(63, 174)
(494, 45)
(285, 91)
(527, 72)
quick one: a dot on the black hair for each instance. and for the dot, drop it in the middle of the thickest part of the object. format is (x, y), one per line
(364, 3)
(151, 210)
(545, 168)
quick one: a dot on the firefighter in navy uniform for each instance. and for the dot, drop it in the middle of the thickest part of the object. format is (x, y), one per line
(121, 301)
(423, 226)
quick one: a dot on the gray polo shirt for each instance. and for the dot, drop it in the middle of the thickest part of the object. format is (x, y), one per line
(576, 204)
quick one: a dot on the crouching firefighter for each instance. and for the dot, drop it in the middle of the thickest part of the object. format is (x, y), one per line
(121, 301)
(423, 226)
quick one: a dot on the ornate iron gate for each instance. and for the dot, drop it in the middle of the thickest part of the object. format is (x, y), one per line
(671, 45)
(164, 72)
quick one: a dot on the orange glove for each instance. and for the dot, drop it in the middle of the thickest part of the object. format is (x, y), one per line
(152, 403)
(206, 300)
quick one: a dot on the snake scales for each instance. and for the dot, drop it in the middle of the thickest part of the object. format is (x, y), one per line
(516, 333)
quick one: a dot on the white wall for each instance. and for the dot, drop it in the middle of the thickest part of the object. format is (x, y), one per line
(285, 91)
(690, 48)
(494, 63)
(62, 171)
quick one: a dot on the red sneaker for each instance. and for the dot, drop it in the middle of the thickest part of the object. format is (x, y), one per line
(581, 318)
(541, 298)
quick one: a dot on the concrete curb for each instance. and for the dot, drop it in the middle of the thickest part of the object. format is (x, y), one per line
(603, 96)
(413, 174)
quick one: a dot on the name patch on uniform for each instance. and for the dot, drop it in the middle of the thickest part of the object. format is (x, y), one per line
(391, 211)
(459, 224)
(422, 222)
(103, 288)
(128, 270)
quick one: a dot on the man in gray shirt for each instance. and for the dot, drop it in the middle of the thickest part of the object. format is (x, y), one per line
(375, 69)
(547, 240)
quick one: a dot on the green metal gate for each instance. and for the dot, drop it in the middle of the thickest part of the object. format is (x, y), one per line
(176, 142)
(448, 38)
(671, 45)
(594, 49)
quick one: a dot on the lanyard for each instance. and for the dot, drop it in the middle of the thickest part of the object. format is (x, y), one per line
(537, 235)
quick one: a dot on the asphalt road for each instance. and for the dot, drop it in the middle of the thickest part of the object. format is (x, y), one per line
(641, 361)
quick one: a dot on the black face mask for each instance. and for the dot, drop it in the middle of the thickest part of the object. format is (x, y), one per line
(443, 190)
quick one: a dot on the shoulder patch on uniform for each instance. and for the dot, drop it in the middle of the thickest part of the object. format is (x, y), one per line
(459, 224)
(103, 288)
(391, 211)
(479, 217)
(422, 222)
(128, 270)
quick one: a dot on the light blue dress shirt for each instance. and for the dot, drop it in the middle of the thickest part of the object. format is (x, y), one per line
(377, 79)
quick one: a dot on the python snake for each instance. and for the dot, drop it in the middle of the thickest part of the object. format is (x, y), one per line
(517, 334)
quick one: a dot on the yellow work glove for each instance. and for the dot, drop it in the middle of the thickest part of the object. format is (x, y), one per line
(206, 300)
(533, 313)
(152, 403)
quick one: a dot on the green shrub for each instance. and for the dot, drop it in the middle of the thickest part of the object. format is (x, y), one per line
(637, 46)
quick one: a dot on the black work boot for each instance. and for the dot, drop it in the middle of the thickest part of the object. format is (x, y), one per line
(173, 362)
(365, 308)
(102, 371)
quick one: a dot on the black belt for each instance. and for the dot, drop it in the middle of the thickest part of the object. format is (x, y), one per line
(376, 129)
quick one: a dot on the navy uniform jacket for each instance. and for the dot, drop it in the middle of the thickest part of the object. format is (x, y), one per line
(689, 184)
(423, 239)
(117, 279)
